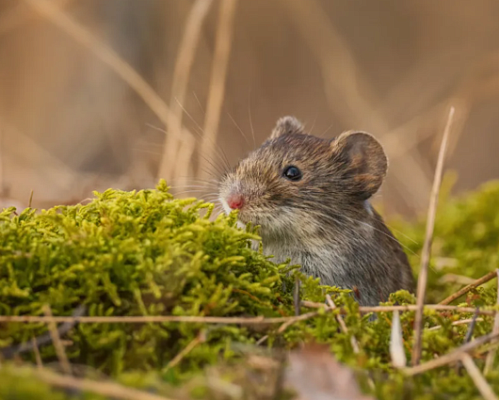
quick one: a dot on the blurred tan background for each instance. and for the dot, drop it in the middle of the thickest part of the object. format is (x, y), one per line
(117, 93)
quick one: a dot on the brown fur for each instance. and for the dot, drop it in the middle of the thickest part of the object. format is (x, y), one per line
(323, 221)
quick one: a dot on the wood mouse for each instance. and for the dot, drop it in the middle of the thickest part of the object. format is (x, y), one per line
(310, 197)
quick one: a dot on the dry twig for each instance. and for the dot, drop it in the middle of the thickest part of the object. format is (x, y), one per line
(151, 319)
(466, 289)
(453, 356)
(477, 377)
(455, 323)
(226, 320)
(375, 309)
(425, 257)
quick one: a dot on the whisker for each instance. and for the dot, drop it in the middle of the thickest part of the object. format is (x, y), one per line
(219, 148)
(251, 119)
(238, 127)
(313, 125)
(326, 131)
(189, 115)
(200, 105)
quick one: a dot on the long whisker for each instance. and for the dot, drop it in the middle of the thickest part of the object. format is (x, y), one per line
(197, 99)
(251, 120)
(238, 127)
(326, 131)
(222, 158)
(313, 125)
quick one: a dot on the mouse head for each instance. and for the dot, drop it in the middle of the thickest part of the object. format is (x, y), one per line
(294, 178)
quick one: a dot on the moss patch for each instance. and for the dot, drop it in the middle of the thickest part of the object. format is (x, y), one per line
(145, 253)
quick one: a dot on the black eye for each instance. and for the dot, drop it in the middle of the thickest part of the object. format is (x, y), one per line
(292, 173)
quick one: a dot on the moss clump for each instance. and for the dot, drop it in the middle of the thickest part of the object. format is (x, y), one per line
(145, 253)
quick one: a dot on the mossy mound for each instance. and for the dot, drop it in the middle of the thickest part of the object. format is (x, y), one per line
(145, 253)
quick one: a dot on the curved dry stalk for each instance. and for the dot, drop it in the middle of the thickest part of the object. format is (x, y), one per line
(453, 356)
(343, 326)
(466, 289)
(169, 166)
(477, 377)
(217, 82)
(124, 70)
(426, 252)
(200, 338)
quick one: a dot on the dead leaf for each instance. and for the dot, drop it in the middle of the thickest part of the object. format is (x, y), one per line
(314, 374)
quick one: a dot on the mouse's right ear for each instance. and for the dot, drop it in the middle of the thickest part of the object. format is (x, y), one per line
(362, 159)
(286, 125)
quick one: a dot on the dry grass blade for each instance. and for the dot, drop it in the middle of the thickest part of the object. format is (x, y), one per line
(56, 340)
(453, 356)
(200, 338)
(54, 14)
(477, 377)
(466, 289)
(217, 82)
(38, 357)
(343, 326)
(455, 323)
(425, 257)
(376, 309)
(181, 73)
(397, 351)
(293, 320)
(489, 361)
(107, 389)
(30, 199)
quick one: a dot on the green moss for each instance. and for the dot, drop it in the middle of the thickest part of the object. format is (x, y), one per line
(145, 253)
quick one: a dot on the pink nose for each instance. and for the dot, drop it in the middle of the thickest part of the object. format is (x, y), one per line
(235, 201)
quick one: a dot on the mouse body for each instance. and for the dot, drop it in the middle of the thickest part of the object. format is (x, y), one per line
(310, 197)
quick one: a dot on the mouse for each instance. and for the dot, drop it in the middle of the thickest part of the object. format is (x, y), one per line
(310, 198)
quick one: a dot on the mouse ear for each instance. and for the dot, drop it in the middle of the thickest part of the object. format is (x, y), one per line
(286, 125)
(363, 160)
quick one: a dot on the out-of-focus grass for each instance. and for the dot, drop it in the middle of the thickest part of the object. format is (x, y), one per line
(330, 63)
